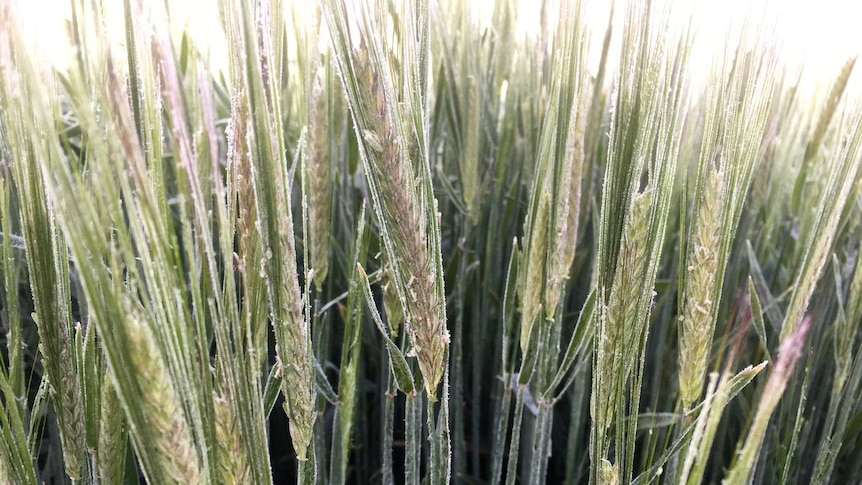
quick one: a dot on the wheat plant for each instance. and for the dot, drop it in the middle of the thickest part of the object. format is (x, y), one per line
(425, 241)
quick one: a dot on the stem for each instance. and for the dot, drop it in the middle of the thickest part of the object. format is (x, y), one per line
(576, 421)
(307, 470)
(459, 456)
(500, 421)
(543, 378)
(388, 424)
(321, 329)
(436, 451)
(412, 439)
(541, 444)
(514, 445)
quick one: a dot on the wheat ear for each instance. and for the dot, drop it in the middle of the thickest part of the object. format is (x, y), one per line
(698, 322)
(405, 223)
(178, 460)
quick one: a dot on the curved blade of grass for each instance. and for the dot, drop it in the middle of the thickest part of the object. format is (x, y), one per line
(734, 385)
(400, 369)
(575, 346)
(757, 317)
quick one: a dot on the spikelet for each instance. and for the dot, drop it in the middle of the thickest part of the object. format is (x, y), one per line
(277, 254)
(237, 159)
(828, 110)
(568, 212)
(854, 296)
(233, 464)
(246, 213)
(177, 458)
(66, 394)
(404, 222)
(533, 284)
(318, 182)
(292, 342)
(558, 264)
(698, 322)
(111, 452)
(232, 461)
(293, 350)
(619, 322)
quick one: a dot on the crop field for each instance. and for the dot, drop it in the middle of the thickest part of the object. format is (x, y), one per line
(426, 242)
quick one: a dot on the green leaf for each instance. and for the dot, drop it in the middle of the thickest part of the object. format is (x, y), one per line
(735, 385)
(651, 421)
(531, 355)
(323, 385)
(579, 338)
(271, 390)
(757, 317)
(773, 313)
(509, 306)
(400, 369)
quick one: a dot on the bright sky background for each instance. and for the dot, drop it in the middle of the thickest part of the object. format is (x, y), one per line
(817, 34)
